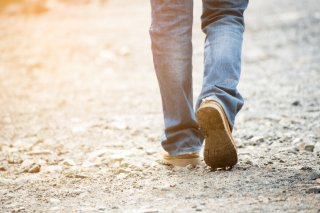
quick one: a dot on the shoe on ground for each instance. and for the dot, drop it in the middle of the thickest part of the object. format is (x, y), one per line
(219, 149)
(181, 160)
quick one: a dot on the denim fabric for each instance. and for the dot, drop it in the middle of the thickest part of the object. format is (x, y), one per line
(171, 38)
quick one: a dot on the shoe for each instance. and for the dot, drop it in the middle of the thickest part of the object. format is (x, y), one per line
(181, 160)
(219, 149)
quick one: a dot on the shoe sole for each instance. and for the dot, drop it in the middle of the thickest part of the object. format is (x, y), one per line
(181, 161)
(219, 150)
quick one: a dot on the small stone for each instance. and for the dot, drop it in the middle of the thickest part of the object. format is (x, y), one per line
(314, 175)
(26, 165)
(306, 168)
(165, 188)
(248, 162)
(292, 150)
(69, 162)
(34, 169)
(296, 103)
(3, 167)
(13, 159)
(190, 167)
(314, 190)
(309, 147)
(304, 146)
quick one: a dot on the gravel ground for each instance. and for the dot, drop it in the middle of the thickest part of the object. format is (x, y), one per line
(80, 114)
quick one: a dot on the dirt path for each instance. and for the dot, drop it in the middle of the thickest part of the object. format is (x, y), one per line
(80, 114)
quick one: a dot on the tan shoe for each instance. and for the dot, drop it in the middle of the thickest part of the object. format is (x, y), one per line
(181, 160)
(220, 149)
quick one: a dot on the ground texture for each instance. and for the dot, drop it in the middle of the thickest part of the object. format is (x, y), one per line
(80, 114)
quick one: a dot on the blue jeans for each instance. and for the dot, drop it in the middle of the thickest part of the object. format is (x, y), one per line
(171, 35)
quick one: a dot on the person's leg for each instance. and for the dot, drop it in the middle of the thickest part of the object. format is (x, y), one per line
(223, 24)
(171, 33)
(219, 100)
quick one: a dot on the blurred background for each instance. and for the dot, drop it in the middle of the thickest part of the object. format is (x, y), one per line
(81, 116)
(39, 6)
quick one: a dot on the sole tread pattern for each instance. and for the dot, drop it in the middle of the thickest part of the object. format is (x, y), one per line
(219, 150)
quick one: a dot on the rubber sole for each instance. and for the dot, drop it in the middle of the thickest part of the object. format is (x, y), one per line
(220, 149)
(181, 160)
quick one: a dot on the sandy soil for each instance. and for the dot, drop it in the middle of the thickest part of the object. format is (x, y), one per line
(80, 114)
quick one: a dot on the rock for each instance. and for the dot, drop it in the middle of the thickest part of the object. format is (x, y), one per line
(248, 162)
(292, 150)
(314, 176)
(3, 167)
(190, 167)
(14, 159)
(165, 188)
(34, 169)
(306, 168)
(309, 147)
(30, 166)
(313, 190)
(26, 165)
(69, 162)
(304, 146)
(296, 103)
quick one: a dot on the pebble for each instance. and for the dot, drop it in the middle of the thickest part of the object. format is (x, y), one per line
(190, 167)
(296, 103)
(26, 165)
(314, 175)
(306, 168)
(34, 169)
(305, 146)
(292, 150)
(13, 159)
(69, 162)
(248, 162)
(3, 167)
(314, 190)
(30, 166)
(309, 147)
